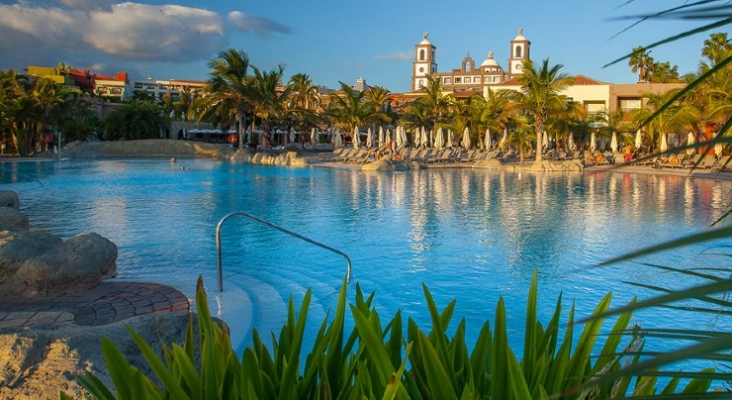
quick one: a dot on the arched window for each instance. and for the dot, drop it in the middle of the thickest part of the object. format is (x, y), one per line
(518, 51)
(421, 55)
(421, 83)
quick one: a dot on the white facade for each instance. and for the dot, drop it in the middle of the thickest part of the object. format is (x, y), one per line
(520, 48)
(159, 88)
(424, 63)
(468, 77)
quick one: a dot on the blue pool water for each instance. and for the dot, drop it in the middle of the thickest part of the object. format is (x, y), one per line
(470, 235)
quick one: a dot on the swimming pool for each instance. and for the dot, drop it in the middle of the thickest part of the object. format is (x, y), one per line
(470, 235)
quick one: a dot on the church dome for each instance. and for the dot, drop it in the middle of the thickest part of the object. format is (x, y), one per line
(520, 35)
(490, 61)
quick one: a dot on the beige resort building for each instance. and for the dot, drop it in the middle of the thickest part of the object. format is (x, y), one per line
(468, 77)
(596, 96)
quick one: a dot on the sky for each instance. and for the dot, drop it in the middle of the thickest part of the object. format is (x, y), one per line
(333, 41)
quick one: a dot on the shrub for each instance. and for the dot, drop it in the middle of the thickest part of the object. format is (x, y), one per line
(378, 361)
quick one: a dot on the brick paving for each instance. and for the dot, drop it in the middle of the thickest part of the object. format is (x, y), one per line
(104, 304)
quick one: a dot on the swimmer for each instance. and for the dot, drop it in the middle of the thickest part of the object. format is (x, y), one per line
(172, 160)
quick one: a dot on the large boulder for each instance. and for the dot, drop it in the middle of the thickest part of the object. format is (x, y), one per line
(80, 263)
(9, 198)
(290, 159)
(38, 364)
(387, 164)
(12, 219)
(18, 246)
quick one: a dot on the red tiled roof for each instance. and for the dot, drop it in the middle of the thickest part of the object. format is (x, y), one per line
(585, 80)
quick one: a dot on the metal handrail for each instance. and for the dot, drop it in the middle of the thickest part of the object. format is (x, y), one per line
(271, 225)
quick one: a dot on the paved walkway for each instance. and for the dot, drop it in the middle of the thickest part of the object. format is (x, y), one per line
(104, 304)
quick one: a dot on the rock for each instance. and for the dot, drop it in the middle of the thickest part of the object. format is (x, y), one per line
(12, 219)
(19, 246)
(387, 164)
(242, 156)
(38, 364)
(290, 159)
(488, 163)
(9, 198)
(80, 263)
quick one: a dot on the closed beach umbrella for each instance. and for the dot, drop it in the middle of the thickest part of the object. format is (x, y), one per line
(504, 137)
(381, 136)
(417, 137)
(593, 142)
(614, 143)
(292, 135)
(638, 139)
(403, 135)
(356, 139)
(369, 138)
(689, 141)
(487, 139)
(545, 141)
(570, 143)
(424, 140)
(313, 136)
(439, 139)
(718, 148)
(466, 138)
(449, 143)
(337, 138)
(664, 143)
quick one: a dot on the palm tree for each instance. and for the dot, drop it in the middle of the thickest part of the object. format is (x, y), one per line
(304, 101)
(561, 123)
(415, 116)
(268, 101)
(641, 63)
(493, 113)
(226, 94)
(351, 111)
(539, 95)
(437, 103)
(678, 117)
(713, 97)
(303, 93)
(522, 136)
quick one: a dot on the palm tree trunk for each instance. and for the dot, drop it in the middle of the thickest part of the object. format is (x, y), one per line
(539, 128)
(241, 119)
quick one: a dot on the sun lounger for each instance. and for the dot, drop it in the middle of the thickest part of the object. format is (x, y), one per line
(723, 164)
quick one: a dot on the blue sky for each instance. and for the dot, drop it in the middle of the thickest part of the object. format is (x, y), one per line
(330, 40)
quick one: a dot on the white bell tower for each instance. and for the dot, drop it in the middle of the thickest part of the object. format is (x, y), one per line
(424, 63)
(520, 47)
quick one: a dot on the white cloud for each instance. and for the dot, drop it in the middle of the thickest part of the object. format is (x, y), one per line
(259, 26)
(161, 33)
(399, 56)
(130, 31)
(88, 4)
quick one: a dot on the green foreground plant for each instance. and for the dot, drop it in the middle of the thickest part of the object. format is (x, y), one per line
(377, 361)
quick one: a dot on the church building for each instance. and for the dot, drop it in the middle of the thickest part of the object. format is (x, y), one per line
(468, 77)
